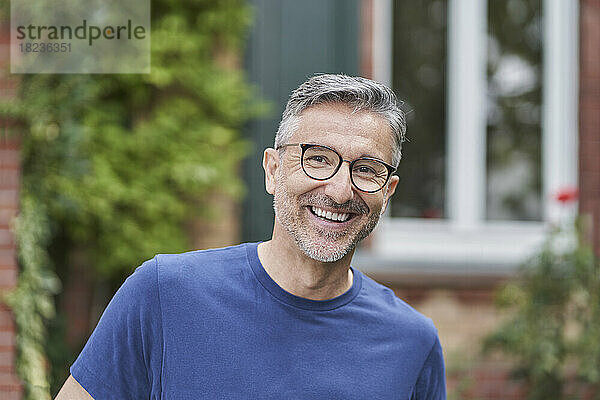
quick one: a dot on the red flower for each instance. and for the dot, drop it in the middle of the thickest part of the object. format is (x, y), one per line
(567, 195)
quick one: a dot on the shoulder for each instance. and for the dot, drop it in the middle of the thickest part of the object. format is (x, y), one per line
(218, 256)
(198, 266)
(398, 314)
(417, 335)
(210, 258)
(221, 254)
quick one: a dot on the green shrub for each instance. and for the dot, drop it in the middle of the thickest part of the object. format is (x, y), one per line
(117, 164)
(555, 324)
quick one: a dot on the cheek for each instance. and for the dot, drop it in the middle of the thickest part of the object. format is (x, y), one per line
(291, 184)
(297, 182)
(375, 204)
(291, 169)
(294, 168)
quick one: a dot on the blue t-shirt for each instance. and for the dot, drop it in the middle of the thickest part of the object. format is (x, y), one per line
(213, 325)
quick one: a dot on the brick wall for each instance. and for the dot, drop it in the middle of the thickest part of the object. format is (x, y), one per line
(589, 116)
(464, 315)
(10, 386)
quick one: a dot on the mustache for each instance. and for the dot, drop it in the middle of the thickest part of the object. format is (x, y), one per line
(355, 206)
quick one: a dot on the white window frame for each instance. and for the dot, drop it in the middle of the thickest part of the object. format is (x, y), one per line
(465, 242)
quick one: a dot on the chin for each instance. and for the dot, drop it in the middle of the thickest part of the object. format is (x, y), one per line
(326, 253)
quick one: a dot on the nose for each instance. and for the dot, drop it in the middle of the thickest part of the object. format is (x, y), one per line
(339, 186)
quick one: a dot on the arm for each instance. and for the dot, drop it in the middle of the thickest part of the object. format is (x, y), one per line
(72, 390)
(122, 358)
(431, 384)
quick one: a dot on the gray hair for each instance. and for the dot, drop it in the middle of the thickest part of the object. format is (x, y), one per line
(359, 93)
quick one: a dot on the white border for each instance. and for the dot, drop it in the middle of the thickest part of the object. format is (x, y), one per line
(381, 41)
(466, 113)
(560, 103)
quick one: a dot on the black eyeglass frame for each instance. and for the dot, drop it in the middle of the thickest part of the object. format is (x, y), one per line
(306, 146)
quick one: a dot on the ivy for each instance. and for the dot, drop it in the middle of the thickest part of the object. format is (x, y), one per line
(32, 300)
(116, 165)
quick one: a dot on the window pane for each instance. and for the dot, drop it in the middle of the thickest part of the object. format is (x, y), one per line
(514, 103)
(419, 79)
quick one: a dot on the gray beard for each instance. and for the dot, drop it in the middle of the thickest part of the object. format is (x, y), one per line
(288, 215)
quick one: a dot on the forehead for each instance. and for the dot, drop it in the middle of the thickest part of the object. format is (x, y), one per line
(352, 133)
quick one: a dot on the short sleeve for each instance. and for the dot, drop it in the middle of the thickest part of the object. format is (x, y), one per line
(122, 358)
(431, 384)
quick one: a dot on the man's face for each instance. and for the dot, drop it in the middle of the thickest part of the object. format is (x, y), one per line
(301, 203)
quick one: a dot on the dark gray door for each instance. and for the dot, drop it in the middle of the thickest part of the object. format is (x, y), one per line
(290, 41)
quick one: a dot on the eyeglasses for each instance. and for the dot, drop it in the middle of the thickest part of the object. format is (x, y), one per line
(367, 174)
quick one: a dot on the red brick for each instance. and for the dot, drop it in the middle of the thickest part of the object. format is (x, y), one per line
(11, 393)
(366, 43)
(7, 94)
(8, 81)
(9, 266)
(8, 257)
(8, 369)
(4, 32)
(8, 279)
(589, 182)
(9, 197)
(9, 328)
(10, 178)
(6, 142)
(9, 84)
(10, 157)
(587, 147)
(589, 115)
(4, 307)
(589, 122)
(7, 338)
(8, 379)
(7, 217)
(590, 36)
(10, 386)
(6, 239)
(6, 320)
(7, 214)
(475, 296)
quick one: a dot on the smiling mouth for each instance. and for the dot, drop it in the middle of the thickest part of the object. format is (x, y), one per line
(330, 216)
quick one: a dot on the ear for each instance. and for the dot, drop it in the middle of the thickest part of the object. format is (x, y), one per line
(270, 165)
(391, 188)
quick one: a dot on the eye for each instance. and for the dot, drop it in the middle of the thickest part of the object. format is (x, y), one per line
(317, 159)
(363, 169)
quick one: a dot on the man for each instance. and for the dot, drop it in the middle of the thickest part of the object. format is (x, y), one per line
(287, 318)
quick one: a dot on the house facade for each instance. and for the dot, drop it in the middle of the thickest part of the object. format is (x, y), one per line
(502, 108)
(447, 242)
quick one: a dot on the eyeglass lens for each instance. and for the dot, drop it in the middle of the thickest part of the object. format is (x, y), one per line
(322, 163)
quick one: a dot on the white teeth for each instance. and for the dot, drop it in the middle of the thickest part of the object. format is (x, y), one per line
(329, 215)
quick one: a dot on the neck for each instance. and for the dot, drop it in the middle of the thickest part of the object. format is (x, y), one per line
(299, 274)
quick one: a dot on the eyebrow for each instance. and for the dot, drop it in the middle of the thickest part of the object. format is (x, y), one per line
(361, 156)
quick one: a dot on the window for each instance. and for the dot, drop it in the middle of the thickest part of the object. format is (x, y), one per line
(419, 71)
(493, 89)
(514, 99)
